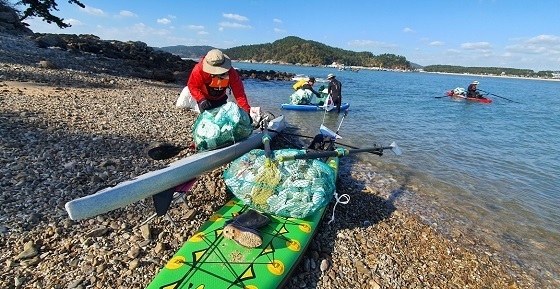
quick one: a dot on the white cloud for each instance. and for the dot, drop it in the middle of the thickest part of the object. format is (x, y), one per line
(128, 14)
(233, 25)
(74, 22)
(541, 44)
(476, 46)
(93, 11)
(163, 21)
(194, 27)
(137, 32)
(408, 30)
(278, 30)
(203, 33)
(545, 39)
(235, 17)
(371, 43)
(436, 43)
(277, 20)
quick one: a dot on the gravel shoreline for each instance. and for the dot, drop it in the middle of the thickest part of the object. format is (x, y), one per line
(72, 130)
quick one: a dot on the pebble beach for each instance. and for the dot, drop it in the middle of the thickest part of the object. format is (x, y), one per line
(70, 126)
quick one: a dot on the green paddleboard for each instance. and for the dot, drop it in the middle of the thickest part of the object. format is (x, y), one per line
(210, 261)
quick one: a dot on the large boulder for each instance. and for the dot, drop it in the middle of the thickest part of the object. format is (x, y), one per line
(9, 21)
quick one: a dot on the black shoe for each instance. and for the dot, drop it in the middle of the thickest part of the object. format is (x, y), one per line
(250, 219)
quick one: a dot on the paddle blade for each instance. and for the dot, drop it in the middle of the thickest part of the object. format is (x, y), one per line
(326, 131)
(162, 151)
(395, 149)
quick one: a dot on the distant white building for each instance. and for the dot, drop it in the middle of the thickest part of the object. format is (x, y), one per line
(556, 74)
(334, 65)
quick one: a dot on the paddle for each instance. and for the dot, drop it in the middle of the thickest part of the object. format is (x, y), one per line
(498, 96)
(311, 137)
(343, 116)
(340, 152)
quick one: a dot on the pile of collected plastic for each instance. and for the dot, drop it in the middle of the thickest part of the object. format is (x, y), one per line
(221, 126)
(301, 96)
(295, 188)
(459, 91)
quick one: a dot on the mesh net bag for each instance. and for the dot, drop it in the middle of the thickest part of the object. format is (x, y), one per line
(301, 96)
(294, 189)
(221, 126)
(459, 91)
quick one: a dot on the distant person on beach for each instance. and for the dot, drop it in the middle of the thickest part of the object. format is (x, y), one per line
(209, 80)
(335, 90)
(472, 91)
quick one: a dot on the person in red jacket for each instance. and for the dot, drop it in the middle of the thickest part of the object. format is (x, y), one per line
(210, 79)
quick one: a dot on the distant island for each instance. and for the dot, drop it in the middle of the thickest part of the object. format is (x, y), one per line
(492, 71)
(297, 51)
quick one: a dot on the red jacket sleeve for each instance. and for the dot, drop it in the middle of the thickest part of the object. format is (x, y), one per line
(196, 82)
(238, 90)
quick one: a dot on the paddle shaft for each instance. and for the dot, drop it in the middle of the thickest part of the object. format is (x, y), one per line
(266, 142)
(499, 96)
(343, 116)
(310, 137)
(335, 153)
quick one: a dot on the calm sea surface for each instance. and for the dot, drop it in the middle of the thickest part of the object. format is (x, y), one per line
(492, 169)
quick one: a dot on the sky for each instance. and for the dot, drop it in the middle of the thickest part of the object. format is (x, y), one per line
(483, 33)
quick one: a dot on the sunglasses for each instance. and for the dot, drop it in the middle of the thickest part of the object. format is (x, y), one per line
(220, 75)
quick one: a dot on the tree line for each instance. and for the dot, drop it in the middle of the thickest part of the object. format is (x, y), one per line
(295, 50)
(488, 71)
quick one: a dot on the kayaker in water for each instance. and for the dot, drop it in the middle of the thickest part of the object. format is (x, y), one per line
(210, 79)
(472, 91)
(335, 90)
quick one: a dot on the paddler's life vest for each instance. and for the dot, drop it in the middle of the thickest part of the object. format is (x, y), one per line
(217, 86)
(299, 84)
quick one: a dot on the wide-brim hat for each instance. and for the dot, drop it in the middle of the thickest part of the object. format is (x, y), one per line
(330, 76)
(475, 82)
(216, 62)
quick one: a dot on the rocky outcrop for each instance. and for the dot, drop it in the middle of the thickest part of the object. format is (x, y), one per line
(266, 75)
(9, 21)
(147, 62)
(89, 52)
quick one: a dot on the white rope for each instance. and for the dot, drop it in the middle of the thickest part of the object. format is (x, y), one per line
(338, 199)
(324, 115)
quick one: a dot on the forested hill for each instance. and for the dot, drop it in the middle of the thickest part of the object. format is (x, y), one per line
(296, 50)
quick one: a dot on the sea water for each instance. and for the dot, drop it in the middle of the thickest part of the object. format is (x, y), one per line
(490, 169)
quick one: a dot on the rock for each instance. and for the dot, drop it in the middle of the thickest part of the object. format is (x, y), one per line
(324, 265)
(160, 247)
(29, 251)
(47, 64)
(97, 232)
(133, 252)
